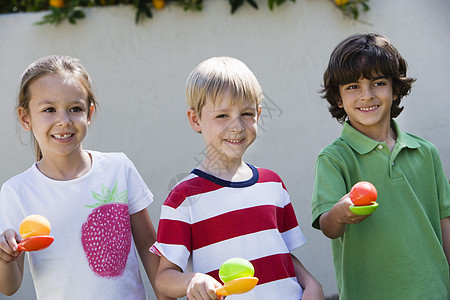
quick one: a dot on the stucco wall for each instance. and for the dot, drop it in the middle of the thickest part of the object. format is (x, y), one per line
(139, 73)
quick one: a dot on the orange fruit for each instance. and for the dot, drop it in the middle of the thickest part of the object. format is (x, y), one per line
(341, 2)
(34, 225)
(56, 3)
(159, 4)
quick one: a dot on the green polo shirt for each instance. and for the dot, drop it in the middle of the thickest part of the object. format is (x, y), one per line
(397, 252)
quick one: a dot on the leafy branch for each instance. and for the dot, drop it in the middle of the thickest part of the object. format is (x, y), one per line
(352, 8)
(72, 10)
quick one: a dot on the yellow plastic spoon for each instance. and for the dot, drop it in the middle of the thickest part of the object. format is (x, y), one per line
(237, 286)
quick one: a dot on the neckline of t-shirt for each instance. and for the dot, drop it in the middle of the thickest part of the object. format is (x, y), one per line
(226, 183)
(71, 181)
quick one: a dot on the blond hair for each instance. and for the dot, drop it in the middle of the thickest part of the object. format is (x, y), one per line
(219, 77)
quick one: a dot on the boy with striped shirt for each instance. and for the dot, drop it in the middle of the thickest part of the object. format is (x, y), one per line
(227, 208)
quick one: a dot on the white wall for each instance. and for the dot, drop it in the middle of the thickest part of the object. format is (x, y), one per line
(139, 73)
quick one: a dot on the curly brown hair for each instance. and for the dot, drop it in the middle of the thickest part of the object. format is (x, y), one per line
(364, 56)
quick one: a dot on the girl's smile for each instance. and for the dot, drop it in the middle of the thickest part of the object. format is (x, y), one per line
(58, 116)
(64, 137)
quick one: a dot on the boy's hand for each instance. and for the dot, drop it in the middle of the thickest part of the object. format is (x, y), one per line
(313, 293)
(202, 287)
(313, 290)
(334, 222)
(343, 213)
(8, 246)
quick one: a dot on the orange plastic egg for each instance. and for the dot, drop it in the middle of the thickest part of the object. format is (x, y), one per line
(34, 225)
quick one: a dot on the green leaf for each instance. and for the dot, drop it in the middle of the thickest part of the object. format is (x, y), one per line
(123, 197)
(73, 12)
(355, 12)
(136, 18)
(365, 7)
(108, 196)
(42, 22)
(235, 4)
(253, 4)
(148, 13)
(79, 14)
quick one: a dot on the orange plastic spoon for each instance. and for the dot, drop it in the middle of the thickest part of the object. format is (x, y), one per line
(237, 286)
(35, 243)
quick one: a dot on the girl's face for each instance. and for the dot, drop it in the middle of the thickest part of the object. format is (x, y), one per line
(57, 114)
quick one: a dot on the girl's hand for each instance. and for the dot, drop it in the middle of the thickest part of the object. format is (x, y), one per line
(8, 246)
(202, 287)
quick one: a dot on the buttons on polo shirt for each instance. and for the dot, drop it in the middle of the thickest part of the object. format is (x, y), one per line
(380, 147)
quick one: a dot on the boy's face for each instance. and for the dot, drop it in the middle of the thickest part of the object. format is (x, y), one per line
(367, 103)
(228, 129)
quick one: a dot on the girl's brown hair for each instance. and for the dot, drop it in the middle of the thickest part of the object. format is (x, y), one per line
(53, 65)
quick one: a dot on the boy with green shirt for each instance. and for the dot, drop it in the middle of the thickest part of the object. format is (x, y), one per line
(402, 250)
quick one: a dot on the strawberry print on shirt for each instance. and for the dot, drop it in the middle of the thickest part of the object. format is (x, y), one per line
(106, 234)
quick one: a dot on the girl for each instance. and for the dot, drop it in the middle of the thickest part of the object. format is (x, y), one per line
(96, 202)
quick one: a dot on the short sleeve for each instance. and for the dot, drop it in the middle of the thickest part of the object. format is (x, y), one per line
(10, 211)
(290, 231)
(174, 240)
(139, 195)
(443, 187)
(329, 186)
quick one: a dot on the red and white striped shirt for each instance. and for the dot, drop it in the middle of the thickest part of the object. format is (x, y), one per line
(206, 220)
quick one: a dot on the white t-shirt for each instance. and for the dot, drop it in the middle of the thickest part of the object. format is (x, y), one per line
(93, 255)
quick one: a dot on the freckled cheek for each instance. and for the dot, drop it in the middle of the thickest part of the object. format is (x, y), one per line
(41, 123)
(82, 120)
(253, 129)
(250, 123)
